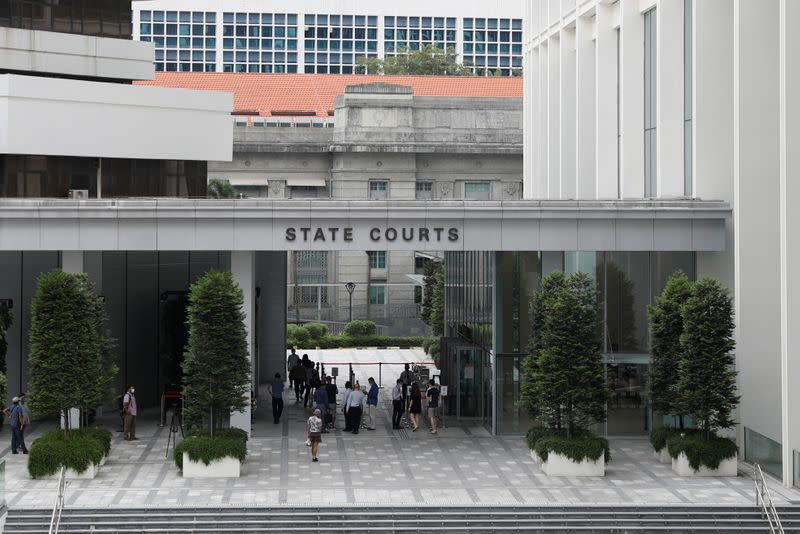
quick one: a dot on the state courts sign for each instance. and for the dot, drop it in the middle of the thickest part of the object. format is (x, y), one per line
(390, 234)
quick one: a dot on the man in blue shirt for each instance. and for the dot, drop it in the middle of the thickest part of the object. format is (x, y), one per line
(17, 427)
(276, 389)
(372, 403)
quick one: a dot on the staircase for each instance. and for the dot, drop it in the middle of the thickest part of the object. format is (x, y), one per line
(586, 519)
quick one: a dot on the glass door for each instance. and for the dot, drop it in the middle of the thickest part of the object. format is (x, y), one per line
(470, 383)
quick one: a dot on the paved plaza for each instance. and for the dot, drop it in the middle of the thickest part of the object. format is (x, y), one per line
(459, 466)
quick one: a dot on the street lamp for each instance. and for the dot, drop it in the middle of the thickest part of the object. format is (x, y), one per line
(350, 287)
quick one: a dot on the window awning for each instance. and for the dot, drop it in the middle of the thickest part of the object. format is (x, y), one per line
(305, 180)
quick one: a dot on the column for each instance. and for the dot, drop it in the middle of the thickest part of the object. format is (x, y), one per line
(606, 103)
(72, 262)
(631, 99)
(669, 106)
(585, 108)
(243, 270)
(553, 118)
(540, 123)
(569, 186)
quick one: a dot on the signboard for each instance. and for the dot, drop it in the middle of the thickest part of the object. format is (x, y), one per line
(334, 371)
(420, 234)
(444, 391)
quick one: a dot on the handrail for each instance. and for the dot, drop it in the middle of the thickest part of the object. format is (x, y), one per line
(764, 499)
(55, 518)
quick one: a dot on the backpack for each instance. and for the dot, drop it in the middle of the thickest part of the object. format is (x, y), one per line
(315, 382)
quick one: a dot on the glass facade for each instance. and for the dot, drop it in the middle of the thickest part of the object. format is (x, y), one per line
(493, 45)
(333, 44)
(55, 176)
(759, 449)
(401, 34)
(184, 40)
(259, 42)
(101, 18)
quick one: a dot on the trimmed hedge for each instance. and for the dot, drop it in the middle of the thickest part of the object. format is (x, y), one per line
(337, 342)
(228, 442)
(708, 452)
(584, 445)
(316, 330)
(660, 436)
(360, 329)
(77, 450)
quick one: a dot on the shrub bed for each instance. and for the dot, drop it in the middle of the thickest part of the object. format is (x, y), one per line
(76, 450)
(230, 442)
(343, 341)
(584, 445)
(660, 436)
(708, 452)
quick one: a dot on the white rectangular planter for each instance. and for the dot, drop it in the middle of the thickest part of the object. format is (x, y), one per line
(71, 474)
(535, 457)
(727, 468)
(561, 466)
(223, 468)
(663, 455)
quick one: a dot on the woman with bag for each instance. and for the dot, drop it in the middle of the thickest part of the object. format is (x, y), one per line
(314, 428)
(415, 406)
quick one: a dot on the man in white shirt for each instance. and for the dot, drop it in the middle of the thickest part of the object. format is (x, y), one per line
(355, 407)
(397, 404)
(348, 388)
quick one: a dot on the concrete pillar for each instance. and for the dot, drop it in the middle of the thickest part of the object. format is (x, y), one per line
(632, 99)
(553, 118)
(569, 185)
(669, 106)
(540, 123)
(243, 269)
(585, 149)
(606, 102)
(72, 262)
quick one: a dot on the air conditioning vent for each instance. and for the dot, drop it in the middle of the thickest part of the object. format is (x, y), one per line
(80, 194)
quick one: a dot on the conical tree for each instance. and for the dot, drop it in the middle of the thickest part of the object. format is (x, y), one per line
(564, 385)
(666, 327)
(70, 358)
(216, 366)
(437, 302)
(706, 386)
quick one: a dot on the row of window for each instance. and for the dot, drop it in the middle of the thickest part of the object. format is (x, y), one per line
(378, 190)
(109, 18)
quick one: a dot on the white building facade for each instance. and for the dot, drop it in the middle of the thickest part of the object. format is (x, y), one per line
(646, 99)
(325, 37)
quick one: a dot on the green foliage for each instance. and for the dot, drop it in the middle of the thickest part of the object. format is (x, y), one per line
(3, 390)
(316, 330)
(76, 449)
(433, 348)
(563, 378)
(428, 60)
(709, 451)
(70, 351)
(6, 319)
(227, 442)
(584, 445)
(297, 334)
(360, 328)
(666, 327)
(660, 436)
(429, 281)
(216, 366)
(436, 316)
(220, 189)
(338, 342)
(706, 386)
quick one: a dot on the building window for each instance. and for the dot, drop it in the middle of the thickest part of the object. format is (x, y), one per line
(377, 259)
(477, 190)
(650, 99)
(186, 42)
(424, 190)
(304, 191)
(377, 294)
(493, 45)
(377, 190)
(340, 41)
(687, 98)
(109, 18)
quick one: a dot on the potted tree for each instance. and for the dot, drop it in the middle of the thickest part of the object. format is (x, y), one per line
(564, 385)
(216, 377)
(70, 367)
(706, 385)
(666, 327)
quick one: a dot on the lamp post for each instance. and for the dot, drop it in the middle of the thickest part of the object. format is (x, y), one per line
(350, 287)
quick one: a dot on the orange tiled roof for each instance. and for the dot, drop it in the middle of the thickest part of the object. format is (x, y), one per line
(305, 93)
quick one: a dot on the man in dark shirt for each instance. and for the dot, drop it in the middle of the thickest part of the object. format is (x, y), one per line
(276, 389)
(332, 390)
(433, 403)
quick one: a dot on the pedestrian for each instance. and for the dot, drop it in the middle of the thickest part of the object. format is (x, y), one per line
(17, 415)
(129, 408)
(372, 403)
(314, 428)
(276, 390)
(26, 412)
(321, 400)
(415, 406)
(433, 403)
(407, 378)
(291, 363)
(308, 366)
(348, 389)
(355, 407)
(298, 375)
(397, 404)
(332, 390)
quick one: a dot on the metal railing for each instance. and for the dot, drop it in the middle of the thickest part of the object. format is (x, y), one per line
(55, 519)
(764, 500)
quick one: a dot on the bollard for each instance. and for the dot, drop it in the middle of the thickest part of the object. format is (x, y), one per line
(380, 374)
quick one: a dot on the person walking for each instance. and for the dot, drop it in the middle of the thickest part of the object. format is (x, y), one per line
(372, 403)
(314, 430)
(276, 391)
(355, 407)
(298, 376)
(308, 366)
(17, 427)
(433, 403)
(321, 400)
(397, 404)
(129, 409)
(291, 363)
(415, 406)
(26, 412)
(332, 391)
(348, 389)
(407, 377)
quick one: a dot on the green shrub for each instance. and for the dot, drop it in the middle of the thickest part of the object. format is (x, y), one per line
(699, 451)
(76, 449)
(316, 330)
(336, 342)
(100, 434)
(660, 436)
(360, 329)
(229, 442)
(583, 444)
(300, 335)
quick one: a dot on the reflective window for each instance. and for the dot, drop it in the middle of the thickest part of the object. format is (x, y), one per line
(378, 189)
(477, 190)
(173, 38)
(377, 294)
(377, 259)
(424, 190)
(494, 51)
(102, 18)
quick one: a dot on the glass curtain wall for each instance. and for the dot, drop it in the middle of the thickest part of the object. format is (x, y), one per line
(101, 18)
